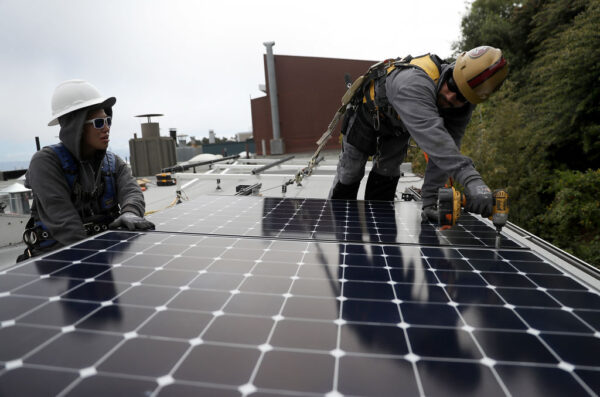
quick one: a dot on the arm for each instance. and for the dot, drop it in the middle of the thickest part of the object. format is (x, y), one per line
(413, 95)
(129, 194)
(131, 200)
(455, 122)
(52, 197)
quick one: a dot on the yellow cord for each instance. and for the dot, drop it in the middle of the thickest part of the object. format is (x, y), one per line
(168, 206)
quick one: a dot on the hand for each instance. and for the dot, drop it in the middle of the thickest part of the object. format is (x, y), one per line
(430, 214)
(132, 222)
(479, 198)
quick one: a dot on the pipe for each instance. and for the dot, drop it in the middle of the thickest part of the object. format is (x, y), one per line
(238, 176)
(37, 143)
(258, 170)
(287, 167)
(272, 89)
(183, 167)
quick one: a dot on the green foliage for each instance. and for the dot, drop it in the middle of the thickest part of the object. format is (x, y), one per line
(553, 18)
(416, 157)
(499, 23)
(575, 210)
(539, 137)
(564, 88)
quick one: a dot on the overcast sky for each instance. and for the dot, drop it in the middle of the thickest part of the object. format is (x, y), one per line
(197, 62)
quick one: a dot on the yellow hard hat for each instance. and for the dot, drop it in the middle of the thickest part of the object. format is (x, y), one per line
(479, 72)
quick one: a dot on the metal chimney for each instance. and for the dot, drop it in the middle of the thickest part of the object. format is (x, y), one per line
(277, 146)
(152, 152)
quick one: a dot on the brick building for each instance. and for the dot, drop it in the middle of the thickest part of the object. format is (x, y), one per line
(309, 91)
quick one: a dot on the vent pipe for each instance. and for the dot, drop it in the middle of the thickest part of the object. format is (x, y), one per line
(276, 142)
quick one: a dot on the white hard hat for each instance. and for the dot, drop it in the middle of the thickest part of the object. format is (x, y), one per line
(72, 95)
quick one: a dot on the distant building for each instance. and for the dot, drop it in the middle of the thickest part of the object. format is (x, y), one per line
(243, 136)
(309, 91)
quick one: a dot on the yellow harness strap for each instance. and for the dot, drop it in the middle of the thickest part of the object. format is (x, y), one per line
(426, 63)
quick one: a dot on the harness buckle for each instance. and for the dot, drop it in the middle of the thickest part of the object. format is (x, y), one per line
(30, 237)
(95, 226)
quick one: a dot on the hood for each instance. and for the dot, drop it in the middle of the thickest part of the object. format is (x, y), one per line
(71, 127)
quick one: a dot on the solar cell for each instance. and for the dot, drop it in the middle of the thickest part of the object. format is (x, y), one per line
(318, 219)
(301, 311)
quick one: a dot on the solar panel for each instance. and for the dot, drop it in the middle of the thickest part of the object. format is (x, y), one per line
(326, 220)
(184, 314)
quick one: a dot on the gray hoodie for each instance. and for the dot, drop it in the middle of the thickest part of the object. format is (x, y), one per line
(53, 203)
(438, 132)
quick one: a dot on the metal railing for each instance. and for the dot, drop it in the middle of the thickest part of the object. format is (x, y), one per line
(183, 167)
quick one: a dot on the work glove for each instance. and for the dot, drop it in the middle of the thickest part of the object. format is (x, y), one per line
(479, 198)
(131, 221)
(430, 214)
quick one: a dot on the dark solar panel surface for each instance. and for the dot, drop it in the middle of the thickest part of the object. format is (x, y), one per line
(183, 314)
(318, 219)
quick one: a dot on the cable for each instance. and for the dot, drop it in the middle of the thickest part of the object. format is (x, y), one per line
(271, 188)
(176, 200)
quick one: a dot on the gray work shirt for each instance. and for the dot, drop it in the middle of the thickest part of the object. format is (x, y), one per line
(438, 132)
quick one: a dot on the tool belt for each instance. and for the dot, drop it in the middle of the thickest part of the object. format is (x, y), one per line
(36, 235)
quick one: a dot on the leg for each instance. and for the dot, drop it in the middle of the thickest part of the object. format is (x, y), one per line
(383, 178)
(381, 187)
(350, 170)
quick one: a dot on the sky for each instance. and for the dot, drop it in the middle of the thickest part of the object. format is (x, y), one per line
(197, 62)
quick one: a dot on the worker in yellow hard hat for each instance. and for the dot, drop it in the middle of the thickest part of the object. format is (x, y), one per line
(430, 101)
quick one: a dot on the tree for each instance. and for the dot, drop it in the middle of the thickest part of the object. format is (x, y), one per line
(502, 24)
(539, 136)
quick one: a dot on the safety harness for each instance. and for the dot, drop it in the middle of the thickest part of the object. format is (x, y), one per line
(374, 93)
(364, 90)
(36, 234)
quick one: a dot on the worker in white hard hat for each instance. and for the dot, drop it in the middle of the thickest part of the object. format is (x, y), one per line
(430, 101)
(79, 187)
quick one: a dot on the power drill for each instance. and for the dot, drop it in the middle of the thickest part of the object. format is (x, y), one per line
(451, 200)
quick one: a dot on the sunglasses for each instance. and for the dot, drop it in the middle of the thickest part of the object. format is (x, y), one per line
(99, 123)
(454, 88)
